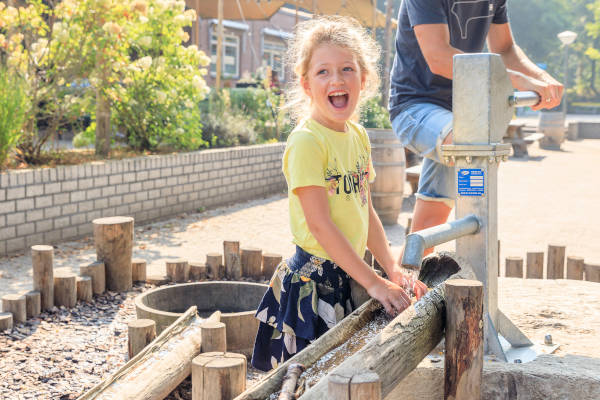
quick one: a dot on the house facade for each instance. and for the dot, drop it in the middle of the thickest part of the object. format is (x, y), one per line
(248, 45)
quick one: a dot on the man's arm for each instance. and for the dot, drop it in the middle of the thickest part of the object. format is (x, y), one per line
(524, 74)
(434, 41)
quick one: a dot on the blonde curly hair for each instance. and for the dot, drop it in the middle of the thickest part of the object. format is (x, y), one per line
(345, 32)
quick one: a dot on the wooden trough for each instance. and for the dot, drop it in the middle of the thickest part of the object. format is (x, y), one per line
(403, 343)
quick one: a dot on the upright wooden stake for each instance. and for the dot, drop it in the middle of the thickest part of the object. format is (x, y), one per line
(113, 238)
(84, 288)
(514, 267)
(218, 376)
(213, 265)
(138, 270)
(354, 386)
(178, 270)
(214, 336)
(231, 247)
(140, 333)
(43, 277)
(252, 262)
(575, 268)
(6, 321)
(556, 262)
(17, 305)
(387, 53)
(464, 339)
(270, 262)
(65, 289)
(592, 272)
(197, 271)
(535, 265)
(97, 272)
(33, 300)
(219, 44)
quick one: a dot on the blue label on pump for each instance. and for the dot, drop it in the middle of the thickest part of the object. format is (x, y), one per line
(471, 182)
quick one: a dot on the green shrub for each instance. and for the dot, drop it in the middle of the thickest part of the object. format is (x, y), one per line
(228, 129)
(13, 106)
(374, 115)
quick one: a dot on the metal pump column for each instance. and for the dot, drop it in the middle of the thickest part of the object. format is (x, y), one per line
(482, 105)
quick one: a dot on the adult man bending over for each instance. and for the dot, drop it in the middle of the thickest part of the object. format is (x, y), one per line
(430, 33)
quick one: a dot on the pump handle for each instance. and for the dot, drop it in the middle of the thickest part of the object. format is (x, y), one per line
(523, 99)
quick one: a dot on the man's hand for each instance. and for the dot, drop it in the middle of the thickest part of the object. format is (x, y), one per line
(548, 88)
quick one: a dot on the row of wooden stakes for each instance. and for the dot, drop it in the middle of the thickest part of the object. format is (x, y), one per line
(576, 268)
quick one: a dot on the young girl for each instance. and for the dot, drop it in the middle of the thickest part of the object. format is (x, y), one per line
(327, 165)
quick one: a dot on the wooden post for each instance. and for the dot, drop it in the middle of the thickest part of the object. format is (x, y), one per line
(65, 289)
(288, 388)
(355, 386)
(113, 238)
(197, 271)
(251, 262)
(233, 266)
(219, 68)
(214, 336)
(368, 257)
(218, 376)
(535, 265)
(387, 52)
(498, 257)
(33, 303)
(464, 339)
(43, 280)
(138, 270)
(178, 270)
(231, 247)
(140, 333)
(513, 267)
(270, 262)
(17, 305)
(96, 271)
(575, 268)
(555, 269)
(84, 288)
(6, 321)
(592, 272)
(213, 265)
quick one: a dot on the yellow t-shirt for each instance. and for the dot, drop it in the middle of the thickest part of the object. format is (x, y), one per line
(341, 163)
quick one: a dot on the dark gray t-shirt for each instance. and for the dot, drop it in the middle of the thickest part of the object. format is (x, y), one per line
(468, 23)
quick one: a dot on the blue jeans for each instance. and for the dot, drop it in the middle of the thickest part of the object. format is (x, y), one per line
(422, 128)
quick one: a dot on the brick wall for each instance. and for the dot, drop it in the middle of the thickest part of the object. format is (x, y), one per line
(47, 206)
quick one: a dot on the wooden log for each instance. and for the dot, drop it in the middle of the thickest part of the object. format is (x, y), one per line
(178, 270)
(270, 262)
(140, 333)
(361, 384)
(65, 289)
(233, 261)
(96, 271)
(17, 305)
(513, 267)
(290, 380)
(592, 272)
(231, 247)
(463, 366)
(84, 288)
(157, 279)
(555, 268)
(575, 268)
(6, 321)
(214, 337)
(218, 376)
(368, 257)
(43, 279)
(213, 265)
(535, 265)
(113, 238)
(160, 367)
(138, 270)
(416, 331)
(252, 262)
(33, 303)
(197, 271)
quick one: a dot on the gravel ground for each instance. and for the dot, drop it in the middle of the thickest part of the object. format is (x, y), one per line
(549, 197)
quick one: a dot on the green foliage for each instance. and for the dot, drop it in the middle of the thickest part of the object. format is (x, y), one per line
(13, 106)
(85, 138)
(374, 115)
(228, 129)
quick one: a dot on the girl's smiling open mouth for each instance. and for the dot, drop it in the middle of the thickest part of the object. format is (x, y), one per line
(338, 98)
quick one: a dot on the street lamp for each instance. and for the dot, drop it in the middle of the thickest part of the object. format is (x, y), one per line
(566, 38)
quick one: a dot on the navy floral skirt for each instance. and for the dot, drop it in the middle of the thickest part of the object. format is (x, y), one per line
(307, 295)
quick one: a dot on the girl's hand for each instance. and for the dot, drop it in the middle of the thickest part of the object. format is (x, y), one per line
(408, 282)
(393, 298)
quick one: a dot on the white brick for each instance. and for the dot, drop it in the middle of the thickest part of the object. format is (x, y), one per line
(85, 184)
(61, 222)
(85, 206)
(7, 233)
(129, 198)
(108, 191)
(7, 207)
(43, 201)
(25, 204)
(15, 193)
(100, 204)
(84, 229)
(154, 194)
(44, 225)
(129, 177)
(2, 194)
(135, 187)
(140, 196)
(101, 181)
(69, 209)
(115, 201)
(68, 186)
(122, 210)
(61, 198)
(33, 240)
(13, 245)
(25, 229)
(77, 196)
(115, 179)
(50, 188)
(35, 215)
(52, 236)
(154, 173)
(148, 185)
(78, 219)
(35, 190)
(15, 218)
(94, 194)
(69, 233)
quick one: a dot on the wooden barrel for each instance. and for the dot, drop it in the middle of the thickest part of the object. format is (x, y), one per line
(390, 167)
(552, 125)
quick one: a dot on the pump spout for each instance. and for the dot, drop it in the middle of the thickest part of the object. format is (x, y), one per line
(417, 242)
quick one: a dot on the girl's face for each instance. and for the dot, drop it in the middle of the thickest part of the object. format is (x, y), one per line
(333, 82)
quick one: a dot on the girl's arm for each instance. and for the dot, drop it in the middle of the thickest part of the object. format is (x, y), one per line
(316, 211)
(378, 244)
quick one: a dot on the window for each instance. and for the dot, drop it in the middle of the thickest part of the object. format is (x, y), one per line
(231, 55)
(273, 53)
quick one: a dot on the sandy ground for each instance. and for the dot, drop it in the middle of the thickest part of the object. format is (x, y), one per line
(551, 197)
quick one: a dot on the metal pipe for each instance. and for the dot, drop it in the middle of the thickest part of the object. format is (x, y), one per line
(418, 242)
(523, 99)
